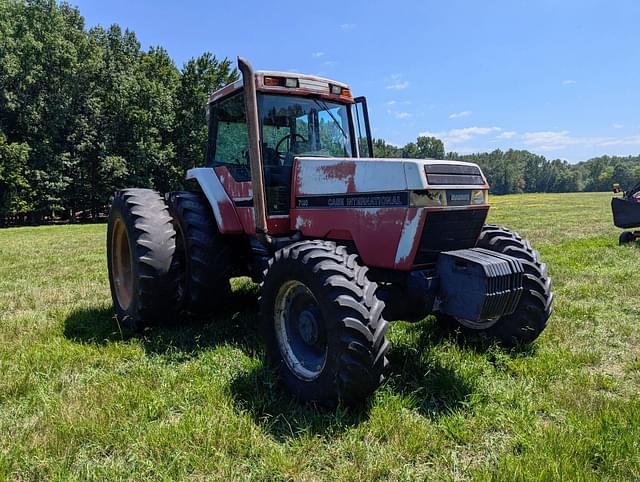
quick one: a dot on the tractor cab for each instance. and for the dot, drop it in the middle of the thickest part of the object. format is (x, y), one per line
(290, 115)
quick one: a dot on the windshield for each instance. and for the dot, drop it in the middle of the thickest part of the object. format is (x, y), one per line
(298, 126)
(303, 126)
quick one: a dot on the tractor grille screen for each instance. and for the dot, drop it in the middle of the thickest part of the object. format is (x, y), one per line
(448, 231)
(440, 174)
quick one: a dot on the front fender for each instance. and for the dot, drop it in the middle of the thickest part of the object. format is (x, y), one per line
(223, 209)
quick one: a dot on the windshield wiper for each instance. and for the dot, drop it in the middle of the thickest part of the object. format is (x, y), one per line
(325, 108)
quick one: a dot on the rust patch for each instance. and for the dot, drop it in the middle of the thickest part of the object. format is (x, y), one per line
(344, 170)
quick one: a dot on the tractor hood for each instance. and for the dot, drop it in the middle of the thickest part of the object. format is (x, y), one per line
(385, 206)
(322, 176)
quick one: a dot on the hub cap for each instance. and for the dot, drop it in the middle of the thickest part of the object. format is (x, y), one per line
(300, 330)
(121, 264)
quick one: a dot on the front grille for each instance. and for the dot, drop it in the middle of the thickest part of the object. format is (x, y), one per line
(449, 230)
(440, 174)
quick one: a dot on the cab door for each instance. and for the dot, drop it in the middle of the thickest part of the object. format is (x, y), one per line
(364, 143)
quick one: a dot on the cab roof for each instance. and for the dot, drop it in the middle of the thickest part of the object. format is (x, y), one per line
(304, 85)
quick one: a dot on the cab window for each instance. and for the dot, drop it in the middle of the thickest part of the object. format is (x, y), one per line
(228, 139)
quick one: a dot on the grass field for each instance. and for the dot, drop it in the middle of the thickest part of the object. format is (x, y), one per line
(79, 399)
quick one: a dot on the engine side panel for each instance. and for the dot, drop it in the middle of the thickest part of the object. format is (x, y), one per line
(375, 231)
(367, 201)
(355, 200)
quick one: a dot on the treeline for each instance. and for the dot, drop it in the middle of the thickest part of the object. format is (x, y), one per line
(519, 171)
(84, 112)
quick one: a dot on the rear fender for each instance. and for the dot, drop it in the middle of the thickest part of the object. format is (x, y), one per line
(223, 209)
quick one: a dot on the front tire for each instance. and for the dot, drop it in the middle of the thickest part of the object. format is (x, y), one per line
(323, 323)
(140, 253)
(534, 309)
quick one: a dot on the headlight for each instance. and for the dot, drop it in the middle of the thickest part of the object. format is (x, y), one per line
(479, 197)
(428, 198)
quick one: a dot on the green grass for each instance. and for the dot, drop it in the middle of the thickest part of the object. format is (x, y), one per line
(79, 399)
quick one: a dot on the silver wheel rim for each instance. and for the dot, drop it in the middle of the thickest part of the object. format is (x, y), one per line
(287, 330)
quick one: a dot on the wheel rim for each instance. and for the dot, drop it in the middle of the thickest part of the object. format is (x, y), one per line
(121, 268)
(478, 325)
(300, 330)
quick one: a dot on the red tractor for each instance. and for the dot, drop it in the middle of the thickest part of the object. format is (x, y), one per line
(340, 242)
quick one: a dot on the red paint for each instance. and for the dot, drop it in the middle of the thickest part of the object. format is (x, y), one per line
(376, 232)
(236, 190)
(342, 234)
(247, 219)
(345, 170)
(279, 225)
(230, 223)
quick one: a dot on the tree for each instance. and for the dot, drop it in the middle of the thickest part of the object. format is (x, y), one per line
(15, 190)
(382, 149)
(199, 77)
(430, 148)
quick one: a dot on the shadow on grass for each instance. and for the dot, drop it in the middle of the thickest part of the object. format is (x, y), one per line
(184, 340)
(414, 372)
(259, 394)
(415, 369)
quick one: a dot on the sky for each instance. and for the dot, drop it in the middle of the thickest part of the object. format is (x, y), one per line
(559, 78)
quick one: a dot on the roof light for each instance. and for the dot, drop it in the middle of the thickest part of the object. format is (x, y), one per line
(274, 81)
(336, 89)
(290, 82)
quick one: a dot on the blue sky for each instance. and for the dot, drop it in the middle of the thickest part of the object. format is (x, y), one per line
(559, 78)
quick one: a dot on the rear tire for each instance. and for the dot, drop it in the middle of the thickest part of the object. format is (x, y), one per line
(323, 323)
(204, 255)
(140, 253)
(534, 309)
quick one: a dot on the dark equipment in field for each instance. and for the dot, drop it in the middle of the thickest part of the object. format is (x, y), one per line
(340, 242)
(626, 213)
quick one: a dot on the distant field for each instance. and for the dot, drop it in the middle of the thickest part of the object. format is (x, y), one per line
(79, 399)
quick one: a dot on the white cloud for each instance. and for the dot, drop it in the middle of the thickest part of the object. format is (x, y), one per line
(329, 62)
(454, 137)
(317, 55)
(548, 140)
(392, 102)
(396, 83)
(621, 141)
(458, 115)
(347, 26)
(399, 114)
(617, 126)
(557, 140)
(506, 135)
(401, 85)
(568, 82)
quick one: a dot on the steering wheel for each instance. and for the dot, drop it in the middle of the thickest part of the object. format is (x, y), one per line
(288, 139)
